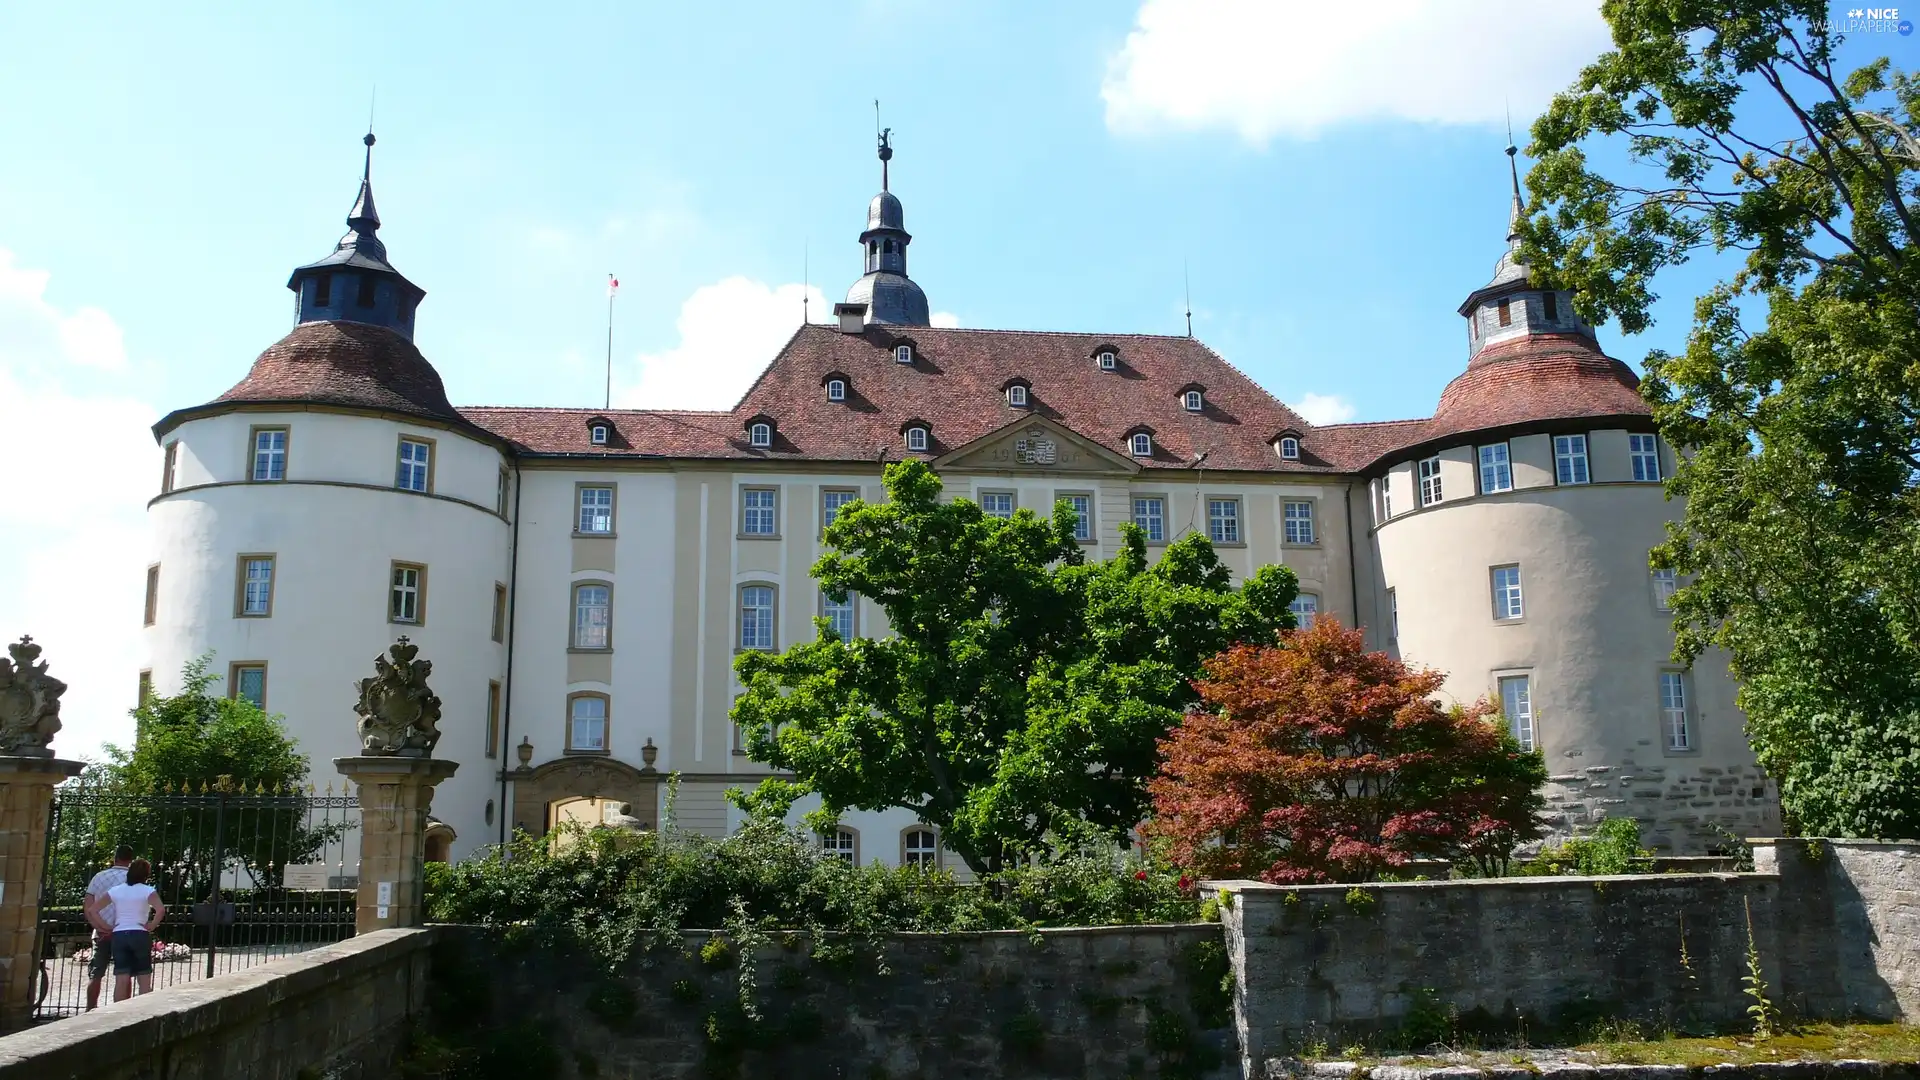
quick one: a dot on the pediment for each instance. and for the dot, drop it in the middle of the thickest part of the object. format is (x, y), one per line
(1034, 444)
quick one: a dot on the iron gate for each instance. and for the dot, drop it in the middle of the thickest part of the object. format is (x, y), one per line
(247, 875)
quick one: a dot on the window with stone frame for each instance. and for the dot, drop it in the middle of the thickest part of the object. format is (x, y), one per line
(1150, 513)
(1429, 481)
(1223, 521)
(759, 511)
(1298, 520)
(1516, 701)
(596, 510)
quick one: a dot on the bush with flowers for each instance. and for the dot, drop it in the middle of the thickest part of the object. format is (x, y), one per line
(163, 951)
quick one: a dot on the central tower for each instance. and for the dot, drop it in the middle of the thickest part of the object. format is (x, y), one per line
(890, 296)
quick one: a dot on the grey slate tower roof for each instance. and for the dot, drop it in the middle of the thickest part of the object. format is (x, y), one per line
(389, 298)
(891, 297)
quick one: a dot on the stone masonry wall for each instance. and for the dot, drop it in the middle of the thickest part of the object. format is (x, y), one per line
(1102, 1004)
(338, 1012)
(1849, 917)
(1681, 807)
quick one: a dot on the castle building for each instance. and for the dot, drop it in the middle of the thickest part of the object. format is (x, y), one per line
(582, 579)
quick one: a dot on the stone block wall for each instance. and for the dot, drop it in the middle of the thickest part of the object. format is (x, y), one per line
(1681, 806)
(339, 1012)
(1849, 924)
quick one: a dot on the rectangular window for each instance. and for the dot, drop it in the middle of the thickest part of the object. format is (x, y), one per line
(407, 597)
(1305, 608)
(501, 492)
(1550, 303)
(144, 690)
(169, 460)
(368, 284)
(1299, 522)
(839, 844)
(1430, 481)
(1393, 614)
(1645, 451)
(756, 616)
(153, 595)
(248, 682)
(1506, 593)
(832, 500)
(416, 466)
(839, 615)
(1386, 498)
(1673, 710)
(254, 590)
(1082, 515)
(759, 509)
(1570, 458)
(921, 848)
(1506, 313)
(323, 290)
(1150, 513)
(592, 617)
(493, 718)
(1496, 470)
(1223, 521)
(1516, 700)
(596, 510)
(997, 503)
(587, 723)
(1665, 584)
(270, 455)
(499, 612)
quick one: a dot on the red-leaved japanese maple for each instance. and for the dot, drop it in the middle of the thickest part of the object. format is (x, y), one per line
(1315, 760)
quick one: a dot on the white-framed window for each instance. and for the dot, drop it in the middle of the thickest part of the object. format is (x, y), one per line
(587, 723)
(501, 491)
(416, 462)
(1673, 710)
(1393, 614)
(1299, 522)
(836, 390)
(1082, 515)
(596, 509)
(920, 846)
(1142, 445)
(597, 434)
(1107, 361)
(1194, 400)
(1429, 481)
(592, 616)
(1305, 608)
(1017, 395)
(1516, 700)
(997, 503)
(170, 458)
(759, 511)
(1223, 521)
(756, 616)
(917, 439)
(832, 501)
(1150, 513)
(248, 682)
(1570, 458)
(1665, 584)
(1496, 470)
(839, 615)
(1645, 452)
(1506, 593)
(256, 586)
(841, 843)
(270, 456)
(903, 354)
(407, 595)
(1289, 448)
(1386, 498)
(760, 435)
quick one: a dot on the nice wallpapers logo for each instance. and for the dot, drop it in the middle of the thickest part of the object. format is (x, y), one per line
(1872, 20)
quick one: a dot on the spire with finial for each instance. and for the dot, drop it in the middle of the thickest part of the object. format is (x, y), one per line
(1513, 171)
(356, 283)
(364, 218)
(887, 293)
(886, 143)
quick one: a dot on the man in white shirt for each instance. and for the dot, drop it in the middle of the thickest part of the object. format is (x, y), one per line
(97, 903)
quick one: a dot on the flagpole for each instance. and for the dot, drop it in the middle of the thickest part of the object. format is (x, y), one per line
(613, 287)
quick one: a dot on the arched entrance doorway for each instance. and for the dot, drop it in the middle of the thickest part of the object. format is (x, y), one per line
(586, 790)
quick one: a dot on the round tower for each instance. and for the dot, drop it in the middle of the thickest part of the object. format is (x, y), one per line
(1514, 528)
(334, 487)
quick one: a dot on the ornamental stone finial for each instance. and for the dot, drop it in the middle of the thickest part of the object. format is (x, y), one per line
(29, 702)
(399, 715)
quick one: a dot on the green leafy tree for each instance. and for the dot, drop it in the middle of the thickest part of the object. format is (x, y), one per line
(1798, 394)
(1021, 688)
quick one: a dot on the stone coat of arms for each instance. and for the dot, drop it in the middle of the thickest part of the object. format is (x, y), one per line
(29, 702)
(399, 715)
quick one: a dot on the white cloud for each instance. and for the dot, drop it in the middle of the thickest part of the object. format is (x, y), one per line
(729, 331)
(1261, 68)
(944, 318)
(72, 547)
(1320, 409)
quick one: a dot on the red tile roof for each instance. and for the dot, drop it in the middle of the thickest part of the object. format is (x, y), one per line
(346, 363)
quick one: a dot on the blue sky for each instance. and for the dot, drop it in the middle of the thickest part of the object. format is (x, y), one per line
(1332, 182)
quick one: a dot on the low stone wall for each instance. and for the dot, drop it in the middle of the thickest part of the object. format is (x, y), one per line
(338, 1012)
(1849, 924)
(1142, 1001)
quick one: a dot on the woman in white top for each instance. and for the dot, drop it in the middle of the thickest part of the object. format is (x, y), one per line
(136, 911)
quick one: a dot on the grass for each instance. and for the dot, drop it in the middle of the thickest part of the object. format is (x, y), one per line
(1620, 1045)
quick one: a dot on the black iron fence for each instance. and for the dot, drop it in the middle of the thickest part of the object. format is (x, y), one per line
(247, 875)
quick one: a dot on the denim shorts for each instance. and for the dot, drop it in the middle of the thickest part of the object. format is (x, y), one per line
(132, 952)
(102, 956)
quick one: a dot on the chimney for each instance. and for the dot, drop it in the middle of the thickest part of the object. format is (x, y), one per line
(853, 317)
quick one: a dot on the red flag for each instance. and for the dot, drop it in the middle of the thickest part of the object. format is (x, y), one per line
(613, 286)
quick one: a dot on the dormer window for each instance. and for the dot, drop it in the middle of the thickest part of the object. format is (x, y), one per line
(1017, 396)
(1194, 400)
(836, 389)
(903, 354)
(597, 434)
(1107, 360)
(760, 434)
(1141, 445)
(917, 439)
(1289, 448)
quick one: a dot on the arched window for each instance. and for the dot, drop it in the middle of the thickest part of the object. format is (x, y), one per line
(836, 390)
(587, 723)
(598, 434)
(920, 846)
(1289, 448)
(1017, 396)
(1142, 445)
(592, 616)
(756, 617)
(903, 354)
(843, 844)
(760, 435)
(1107, 360)
(917, 439)
(1193, 400)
